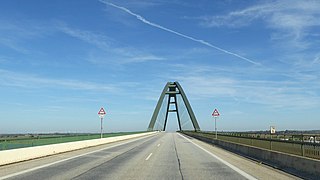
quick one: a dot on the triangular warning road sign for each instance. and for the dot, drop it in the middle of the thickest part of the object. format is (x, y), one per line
(215, 113)
(102, 112)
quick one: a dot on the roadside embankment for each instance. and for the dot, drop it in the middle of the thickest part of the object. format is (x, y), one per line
(23, 154)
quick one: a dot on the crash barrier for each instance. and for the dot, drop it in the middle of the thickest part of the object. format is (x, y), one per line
(306, 149)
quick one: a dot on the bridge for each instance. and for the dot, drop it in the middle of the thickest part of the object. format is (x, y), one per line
(173, 94)
(153, 155)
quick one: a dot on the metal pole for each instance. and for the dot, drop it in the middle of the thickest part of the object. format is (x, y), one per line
(215, 126)
(101, 128)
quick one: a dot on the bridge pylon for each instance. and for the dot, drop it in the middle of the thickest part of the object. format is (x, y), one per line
(168, 102)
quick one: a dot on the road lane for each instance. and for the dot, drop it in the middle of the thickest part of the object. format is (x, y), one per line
(75, 166)
(164, 156)
(198, 163)
(254, 168)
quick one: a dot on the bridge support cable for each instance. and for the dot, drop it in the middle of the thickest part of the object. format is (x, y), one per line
(189, 109)
(173, 100)
(186, 123)
(160, 119)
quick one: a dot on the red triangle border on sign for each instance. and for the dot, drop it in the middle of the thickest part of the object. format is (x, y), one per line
(102, 112)
(215, 113)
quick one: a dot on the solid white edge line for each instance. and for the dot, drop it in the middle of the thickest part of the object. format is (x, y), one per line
(148, 156)
(223, 161)
(56, 162)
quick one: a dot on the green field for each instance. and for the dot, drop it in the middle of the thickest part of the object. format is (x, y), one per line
(21, 142)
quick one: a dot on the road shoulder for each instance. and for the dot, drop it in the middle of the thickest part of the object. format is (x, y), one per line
(254, 168)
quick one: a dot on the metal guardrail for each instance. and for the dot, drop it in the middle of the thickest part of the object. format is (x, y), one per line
(306, 149)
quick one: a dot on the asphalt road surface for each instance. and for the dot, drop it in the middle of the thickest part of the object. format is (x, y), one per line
(161, 156)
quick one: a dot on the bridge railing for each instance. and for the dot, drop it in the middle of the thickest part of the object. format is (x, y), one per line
(306, 149)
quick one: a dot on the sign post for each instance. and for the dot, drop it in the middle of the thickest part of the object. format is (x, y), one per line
(101, 114)
(215, 114)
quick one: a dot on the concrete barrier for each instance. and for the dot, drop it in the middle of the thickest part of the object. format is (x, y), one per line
(23, 154)
(300, 166)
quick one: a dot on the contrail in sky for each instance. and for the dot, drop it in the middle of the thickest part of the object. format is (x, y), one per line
(139, 17)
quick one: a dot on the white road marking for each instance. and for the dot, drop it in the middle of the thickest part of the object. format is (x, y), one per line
(223, 161)
(63, 160)
(148, 156)
(158, 145)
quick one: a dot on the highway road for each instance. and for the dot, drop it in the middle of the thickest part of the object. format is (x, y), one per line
(160, 156)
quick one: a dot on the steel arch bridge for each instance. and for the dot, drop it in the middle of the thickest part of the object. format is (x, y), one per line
(173, 100)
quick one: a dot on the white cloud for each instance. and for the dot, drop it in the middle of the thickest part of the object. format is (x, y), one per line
(279, 14)
(143, 58)
(272, 94)
(273, 88)
(203, 42)
(316, 60)
(22, 80)
(100, 41)
(12, 43)
(14, 34)
(3, 59)
(126, 54)
(293, 19)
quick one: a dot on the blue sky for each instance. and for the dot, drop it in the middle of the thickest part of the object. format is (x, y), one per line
(257, 62)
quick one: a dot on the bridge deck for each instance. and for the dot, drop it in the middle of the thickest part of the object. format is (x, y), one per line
(163, 156)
